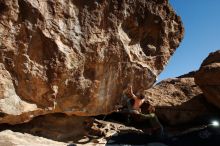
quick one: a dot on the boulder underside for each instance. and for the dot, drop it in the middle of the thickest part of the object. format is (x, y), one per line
(77, 56)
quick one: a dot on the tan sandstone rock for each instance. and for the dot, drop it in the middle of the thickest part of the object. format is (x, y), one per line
(178, 100)
(10, 138)
(208, 78)
(77, 56)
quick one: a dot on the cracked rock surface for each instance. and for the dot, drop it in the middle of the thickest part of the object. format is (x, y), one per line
(77, 56)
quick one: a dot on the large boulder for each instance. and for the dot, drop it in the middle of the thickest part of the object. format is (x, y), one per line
(178, 100)
(77, 56)
(208, 78)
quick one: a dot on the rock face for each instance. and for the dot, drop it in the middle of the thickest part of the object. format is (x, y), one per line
(77, 56)
(178, 100)
(208, 78)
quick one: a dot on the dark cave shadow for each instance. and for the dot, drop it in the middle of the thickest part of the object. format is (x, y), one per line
(208, 136)
(45, 126)
(203, 115)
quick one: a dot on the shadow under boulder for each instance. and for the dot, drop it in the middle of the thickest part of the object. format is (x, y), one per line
(57, 126)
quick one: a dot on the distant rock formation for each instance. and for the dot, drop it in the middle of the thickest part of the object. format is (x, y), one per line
(208, 78)
(77, 56)
(179, 100)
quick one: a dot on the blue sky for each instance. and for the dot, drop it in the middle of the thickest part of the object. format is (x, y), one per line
(201, 20)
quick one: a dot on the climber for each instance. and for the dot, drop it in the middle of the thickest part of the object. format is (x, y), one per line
(149, 115)
(134, 104)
